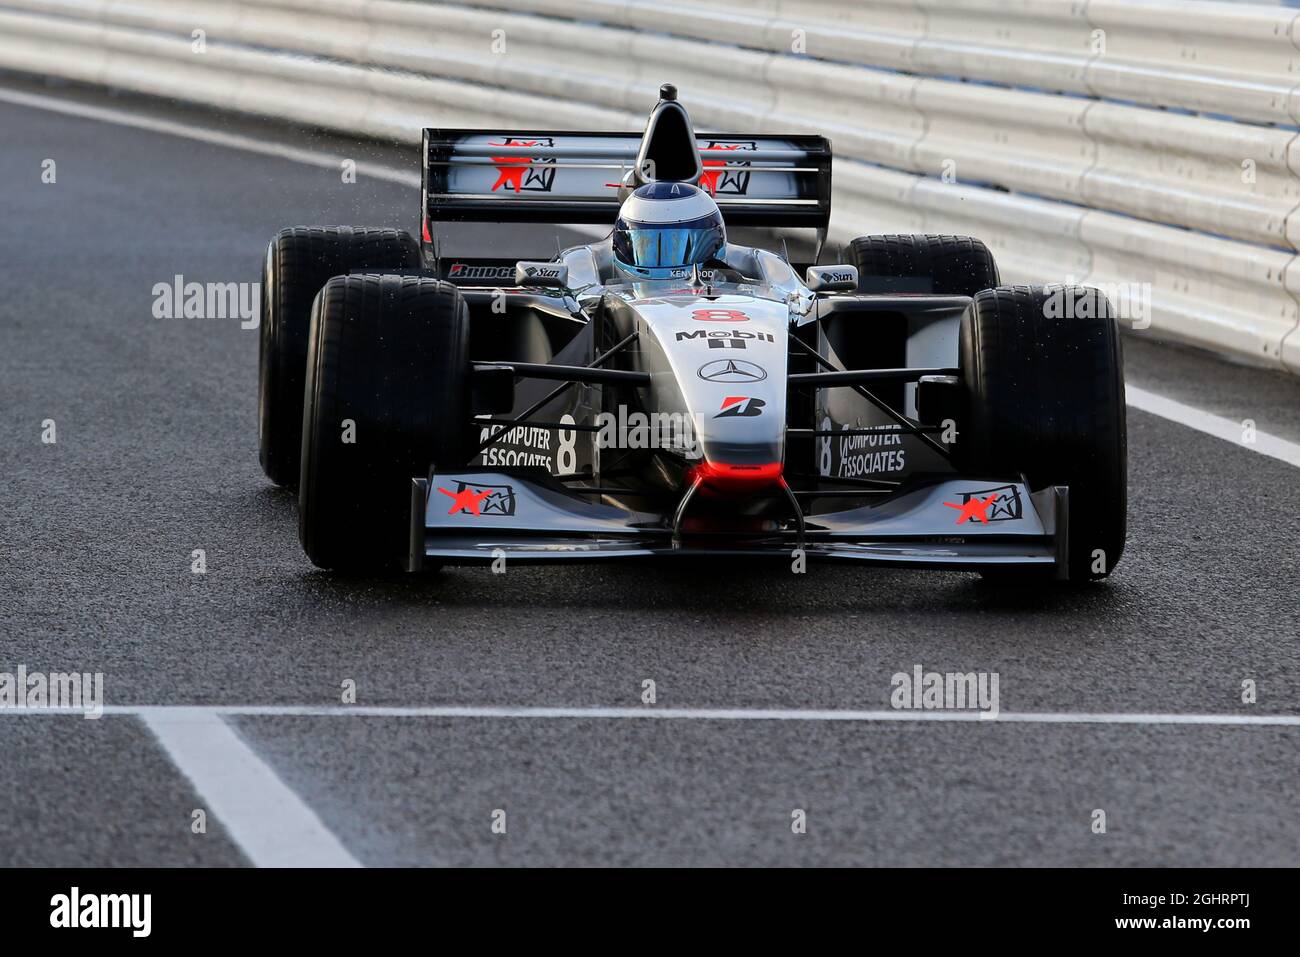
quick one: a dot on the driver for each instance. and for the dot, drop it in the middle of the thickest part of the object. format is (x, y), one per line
(666, 227)
(663, 229)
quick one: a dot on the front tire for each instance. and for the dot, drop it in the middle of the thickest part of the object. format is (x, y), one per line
(1044, 377)
(299, 261)
(388, 394)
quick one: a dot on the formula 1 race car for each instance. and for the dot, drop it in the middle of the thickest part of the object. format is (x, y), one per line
(665, 392)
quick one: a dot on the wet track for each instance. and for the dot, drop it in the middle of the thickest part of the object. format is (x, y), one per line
(156, 455)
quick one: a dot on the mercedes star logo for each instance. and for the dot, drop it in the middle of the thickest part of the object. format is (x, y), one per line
(732, 370)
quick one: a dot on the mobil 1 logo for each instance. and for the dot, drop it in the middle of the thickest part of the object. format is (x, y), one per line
(726, 338)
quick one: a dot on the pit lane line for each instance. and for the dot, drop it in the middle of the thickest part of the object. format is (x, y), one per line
(1229, 430)
(235, 141)
(274, 827)
(189, 131)
(269, 822)
(162, 712)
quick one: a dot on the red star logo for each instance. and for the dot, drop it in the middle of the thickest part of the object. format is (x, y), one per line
(975, 508)
(709, 179)
(466, 500)
(511, 169)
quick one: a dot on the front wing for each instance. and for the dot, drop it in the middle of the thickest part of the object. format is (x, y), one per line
(471, 517)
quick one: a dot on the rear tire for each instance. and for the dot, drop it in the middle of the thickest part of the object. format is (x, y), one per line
(299, 261)
(391, 354)
(944, 265)
(1046, 399)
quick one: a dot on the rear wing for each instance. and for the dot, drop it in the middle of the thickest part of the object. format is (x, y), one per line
(523, 176)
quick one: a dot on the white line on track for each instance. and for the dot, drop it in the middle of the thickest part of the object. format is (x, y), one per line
(275, 828)
(1216, 425)
(216, 712)
(189, 131)
(234, 141)
(272, 826)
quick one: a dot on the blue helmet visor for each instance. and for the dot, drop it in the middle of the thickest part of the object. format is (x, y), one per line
(667, 245)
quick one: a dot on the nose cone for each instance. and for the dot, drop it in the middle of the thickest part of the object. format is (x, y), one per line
(727, 356)
(735, 480)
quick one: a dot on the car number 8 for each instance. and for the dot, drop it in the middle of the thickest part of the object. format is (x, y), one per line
(566, 458)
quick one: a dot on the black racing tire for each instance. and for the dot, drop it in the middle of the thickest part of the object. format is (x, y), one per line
(1044, 378)
(941, 265)
(390, 353)
(299, 261)
(945, 265)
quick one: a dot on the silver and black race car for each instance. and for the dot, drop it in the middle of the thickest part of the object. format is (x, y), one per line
(664, 391)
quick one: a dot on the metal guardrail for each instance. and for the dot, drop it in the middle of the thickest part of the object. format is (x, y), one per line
(1135, 145)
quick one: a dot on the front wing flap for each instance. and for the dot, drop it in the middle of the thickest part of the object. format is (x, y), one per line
(476, 517)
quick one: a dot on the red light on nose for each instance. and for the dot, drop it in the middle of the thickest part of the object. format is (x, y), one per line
(735, 479)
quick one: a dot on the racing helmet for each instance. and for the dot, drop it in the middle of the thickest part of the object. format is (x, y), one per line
(666, 227)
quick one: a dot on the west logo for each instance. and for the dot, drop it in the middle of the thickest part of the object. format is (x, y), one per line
(475, 499)
(990, 505)
(520, 173)
(726, 173)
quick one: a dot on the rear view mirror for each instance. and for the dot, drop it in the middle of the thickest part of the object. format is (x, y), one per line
(555, 275)
(832, 278)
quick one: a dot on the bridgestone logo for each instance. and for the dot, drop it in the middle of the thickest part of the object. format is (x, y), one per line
(465, 271)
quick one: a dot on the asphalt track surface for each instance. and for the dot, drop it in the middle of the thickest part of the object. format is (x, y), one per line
(156, 455)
